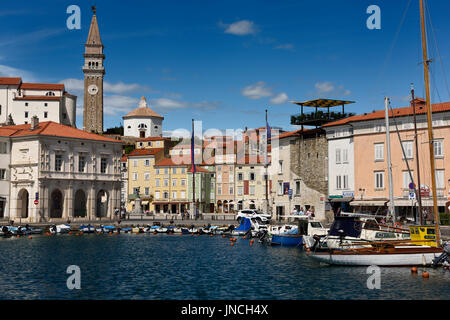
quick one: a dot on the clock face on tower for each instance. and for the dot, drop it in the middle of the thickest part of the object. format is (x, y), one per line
(92, 89)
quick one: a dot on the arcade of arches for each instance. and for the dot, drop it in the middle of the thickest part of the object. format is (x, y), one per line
(66, 201)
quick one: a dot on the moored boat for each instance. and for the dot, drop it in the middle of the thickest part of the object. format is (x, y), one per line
(380, 256)
(60, 228)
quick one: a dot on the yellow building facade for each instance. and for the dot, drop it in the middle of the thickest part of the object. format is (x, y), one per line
(171, 187)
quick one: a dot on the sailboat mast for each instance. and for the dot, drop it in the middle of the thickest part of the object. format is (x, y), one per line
(388, 147)
(265, 165)
(419, 196)
(430, 126)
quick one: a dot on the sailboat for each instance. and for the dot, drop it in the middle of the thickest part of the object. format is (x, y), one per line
(425, 247)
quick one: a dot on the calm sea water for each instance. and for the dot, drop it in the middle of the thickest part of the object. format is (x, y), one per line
(148, 266)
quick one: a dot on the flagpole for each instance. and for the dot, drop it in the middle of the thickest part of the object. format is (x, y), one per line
(265, 164)
(193, 168)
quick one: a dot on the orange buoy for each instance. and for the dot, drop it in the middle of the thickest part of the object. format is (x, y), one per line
(414, 270)
(192, 234)
(211, 235)
(243, 237)
(232, 244)
(425, 275)
(18, 236)
(30, 237)
(154, 232)
(77, 234)
(223, 236)
(81, 233)
(251, 243)
(70, 232)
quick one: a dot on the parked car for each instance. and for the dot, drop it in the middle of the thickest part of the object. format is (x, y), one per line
(252, 213)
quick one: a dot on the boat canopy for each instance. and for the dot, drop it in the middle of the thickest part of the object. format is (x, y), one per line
(350, 226)
(245, 225)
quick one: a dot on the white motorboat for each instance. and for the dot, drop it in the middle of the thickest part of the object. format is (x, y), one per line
(60, 228)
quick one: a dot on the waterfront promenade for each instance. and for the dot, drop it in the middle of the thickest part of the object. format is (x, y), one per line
(167, 219)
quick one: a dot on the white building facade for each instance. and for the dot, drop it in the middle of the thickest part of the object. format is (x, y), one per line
(341, 182)
(59, 173)
(5, 160)
(49, 102)
(143, 122)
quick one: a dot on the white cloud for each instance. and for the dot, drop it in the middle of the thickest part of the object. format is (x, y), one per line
(279, 98)
(165, 103)
(241, 28)
(117, 105)
(328, 88)
(121, 87)
(77, 85)
(324, 87)
(257, 90)
(73, 85)
(31, 37)
(6, 71)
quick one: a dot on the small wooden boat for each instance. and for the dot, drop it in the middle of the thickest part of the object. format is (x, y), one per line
(287, 240)
(161, 230)
(87, 228)
(380, 256)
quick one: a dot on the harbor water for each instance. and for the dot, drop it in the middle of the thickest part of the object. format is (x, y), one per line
(185, 267)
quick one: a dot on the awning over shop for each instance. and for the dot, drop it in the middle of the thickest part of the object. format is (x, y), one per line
(343, 199)
(144, 202)
(425, 203)
(369, 203)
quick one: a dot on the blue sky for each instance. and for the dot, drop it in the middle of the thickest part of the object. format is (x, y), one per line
(225, 62)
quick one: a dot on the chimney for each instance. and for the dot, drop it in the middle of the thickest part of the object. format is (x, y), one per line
(34, 122)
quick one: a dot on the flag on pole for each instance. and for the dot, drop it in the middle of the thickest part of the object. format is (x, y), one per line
(193, 169)
(268, 136)
(268, 131)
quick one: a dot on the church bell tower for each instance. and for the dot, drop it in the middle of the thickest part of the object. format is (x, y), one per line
(94, 71)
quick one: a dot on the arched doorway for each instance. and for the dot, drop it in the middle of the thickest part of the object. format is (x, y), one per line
(102, 204)
(225, 206)
(22, 204)
(56, 204)
(80, 204)
(219, 206)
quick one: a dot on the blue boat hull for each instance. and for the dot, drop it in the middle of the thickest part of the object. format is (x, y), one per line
(291, 240)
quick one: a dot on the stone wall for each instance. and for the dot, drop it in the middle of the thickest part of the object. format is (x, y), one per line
(309, 160)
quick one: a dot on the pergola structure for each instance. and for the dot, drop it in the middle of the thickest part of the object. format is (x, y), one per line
(318, 118)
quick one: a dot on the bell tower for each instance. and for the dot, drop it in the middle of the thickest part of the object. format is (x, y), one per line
(94, 71)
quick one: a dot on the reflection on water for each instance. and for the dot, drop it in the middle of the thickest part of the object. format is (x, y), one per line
(148, 266)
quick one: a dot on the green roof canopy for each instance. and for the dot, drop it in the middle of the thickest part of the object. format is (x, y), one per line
(323, 103)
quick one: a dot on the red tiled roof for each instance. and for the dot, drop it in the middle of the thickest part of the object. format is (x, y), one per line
(144, 152)
(8, 80)
(49, 98)
(168, 162)
(51, 128)
(398, 112)
(42, 86)
(199, 169)
(295, 133)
